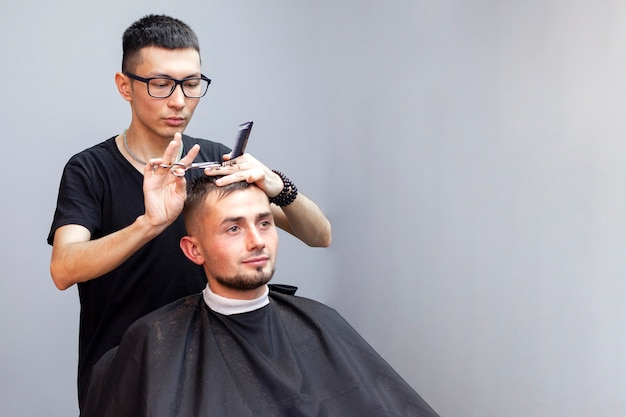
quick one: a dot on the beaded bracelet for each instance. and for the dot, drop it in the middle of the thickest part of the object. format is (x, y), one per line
(288, 194)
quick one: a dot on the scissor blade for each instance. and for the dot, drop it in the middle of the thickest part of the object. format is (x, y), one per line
(201, 165)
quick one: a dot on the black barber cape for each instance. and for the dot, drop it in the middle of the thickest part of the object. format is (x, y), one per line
(294, 358)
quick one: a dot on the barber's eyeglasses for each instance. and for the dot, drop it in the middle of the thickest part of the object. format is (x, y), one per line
(194, 87)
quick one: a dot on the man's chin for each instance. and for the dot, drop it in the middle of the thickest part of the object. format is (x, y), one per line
(246, 283)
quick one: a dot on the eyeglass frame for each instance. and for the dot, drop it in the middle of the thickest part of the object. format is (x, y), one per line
(176, 83)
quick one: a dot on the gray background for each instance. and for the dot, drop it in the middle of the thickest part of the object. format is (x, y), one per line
(469, 153)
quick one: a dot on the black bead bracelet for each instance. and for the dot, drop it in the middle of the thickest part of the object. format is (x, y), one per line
(288, 194)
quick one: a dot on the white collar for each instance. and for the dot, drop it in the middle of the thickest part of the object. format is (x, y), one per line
(229, 306)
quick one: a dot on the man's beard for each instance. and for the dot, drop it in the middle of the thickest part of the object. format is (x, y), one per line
(246, 282)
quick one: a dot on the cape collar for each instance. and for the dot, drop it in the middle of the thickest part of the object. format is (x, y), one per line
(229, 306)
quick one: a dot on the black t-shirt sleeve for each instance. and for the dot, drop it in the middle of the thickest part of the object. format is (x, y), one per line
(78, 200)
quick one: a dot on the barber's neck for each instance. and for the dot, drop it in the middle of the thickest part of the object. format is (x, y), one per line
(145, 142)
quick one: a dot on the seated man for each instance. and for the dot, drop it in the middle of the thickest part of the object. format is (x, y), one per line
(242, 347)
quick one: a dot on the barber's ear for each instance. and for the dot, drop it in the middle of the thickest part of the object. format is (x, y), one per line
(191, 250)
(123, 85)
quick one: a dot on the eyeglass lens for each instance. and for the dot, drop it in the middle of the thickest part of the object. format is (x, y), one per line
(164, 87)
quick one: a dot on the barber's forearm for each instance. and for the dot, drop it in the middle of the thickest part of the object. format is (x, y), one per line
(80, 261)
(305, 220)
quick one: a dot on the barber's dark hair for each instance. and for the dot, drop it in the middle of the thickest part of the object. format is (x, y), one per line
(198, 191)
(155, 30)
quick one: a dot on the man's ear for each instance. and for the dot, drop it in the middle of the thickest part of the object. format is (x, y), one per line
(191, 250)
(123, 85)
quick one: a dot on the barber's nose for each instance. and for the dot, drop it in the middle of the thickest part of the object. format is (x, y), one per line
(177, 98)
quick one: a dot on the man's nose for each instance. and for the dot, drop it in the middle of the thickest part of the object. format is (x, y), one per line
(177, 98)
(255, 240)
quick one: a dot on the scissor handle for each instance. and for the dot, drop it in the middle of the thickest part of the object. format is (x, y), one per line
(179, 168)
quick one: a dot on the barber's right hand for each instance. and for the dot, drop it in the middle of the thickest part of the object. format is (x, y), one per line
(165, 193)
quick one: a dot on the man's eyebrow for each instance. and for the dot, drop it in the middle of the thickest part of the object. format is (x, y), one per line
(164, 75)
(237, 219)
(232, 220)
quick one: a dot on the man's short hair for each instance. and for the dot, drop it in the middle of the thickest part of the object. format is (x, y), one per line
(155, 30)
(198, 191)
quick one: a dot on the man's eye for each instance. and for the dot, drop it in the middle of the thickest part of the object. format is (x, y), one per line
(192, 83)
(162, 83)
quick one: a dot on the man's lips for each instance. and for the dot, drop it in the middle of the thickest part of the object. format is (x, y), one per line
(175, 121)
(257, 261)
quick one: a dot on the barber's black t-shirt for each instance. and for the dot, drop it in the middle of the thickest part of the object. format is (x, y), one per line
(102, 191)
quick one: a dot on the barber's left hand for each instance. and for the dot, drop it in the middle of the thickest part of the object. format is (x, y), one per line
(249, 169)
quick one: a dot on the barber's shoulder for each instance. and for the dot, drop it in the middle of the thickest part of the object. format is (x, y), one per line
(99, 153)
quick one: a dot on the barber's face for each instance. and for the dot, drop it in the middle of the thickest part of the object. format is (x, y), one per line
(163, 116)
(238, 243)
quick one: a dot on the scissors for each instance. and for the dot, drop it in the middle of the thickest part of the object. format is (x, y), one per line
(179, 168)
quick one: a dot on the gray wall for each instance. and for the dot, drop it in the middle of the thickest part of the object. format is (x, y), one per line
(470, 155)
